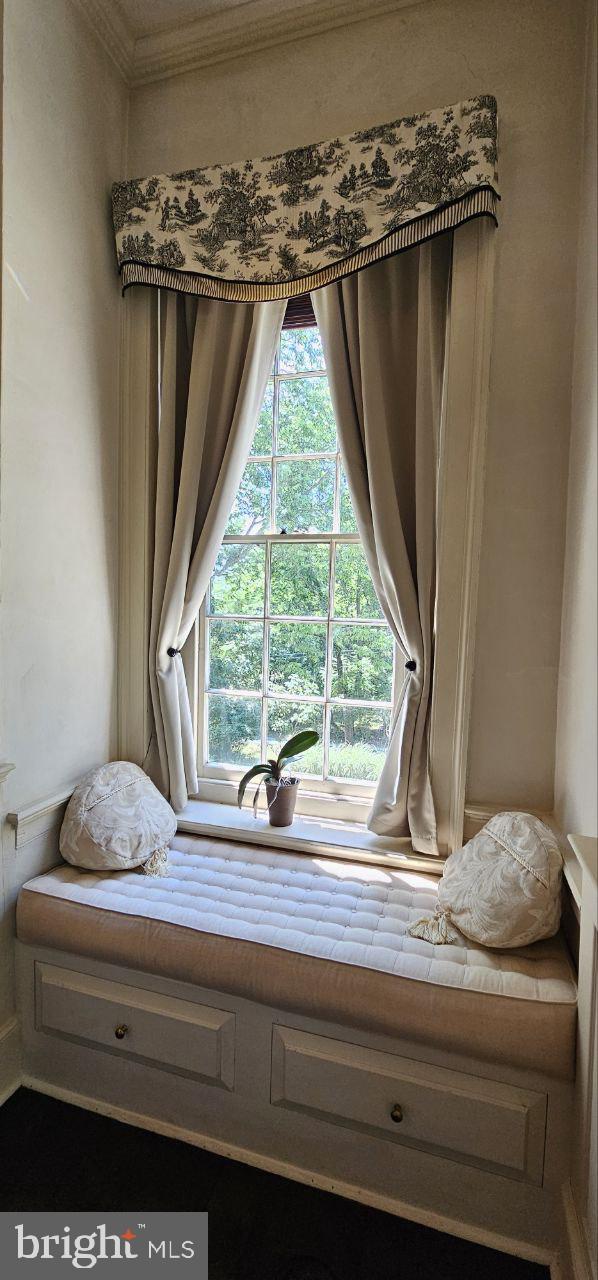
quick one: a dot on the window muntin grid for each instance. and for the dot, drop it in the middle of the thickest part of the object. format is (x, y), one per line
(327, 705)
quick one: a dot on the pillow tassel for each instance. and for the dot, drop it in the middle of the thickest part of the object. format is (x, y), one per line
(157, 863)
(436, 928)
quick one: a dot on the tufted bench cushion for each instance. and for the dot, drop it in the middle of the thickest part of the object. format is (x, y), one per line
(318, 937)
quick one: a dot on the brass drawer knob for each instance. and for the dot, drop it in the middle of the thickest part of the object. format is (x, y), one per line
(121, 1031)
(396, 1113)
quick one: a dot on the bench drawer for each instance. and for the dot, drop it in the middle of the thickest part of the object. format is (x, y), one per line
(177, 1035)
(462, 1117)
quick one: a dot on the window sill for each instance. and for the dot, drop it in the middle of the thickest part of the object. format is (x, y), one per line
(350, 806)
(350, 841)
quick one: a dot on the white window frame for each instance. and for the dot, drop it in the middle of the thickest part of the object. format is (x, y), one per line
(336, 790)
(461, 487)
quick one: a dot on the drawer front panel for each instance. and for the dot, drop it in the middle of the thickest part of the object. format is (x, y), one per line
(466, 1118)
(176, 1035)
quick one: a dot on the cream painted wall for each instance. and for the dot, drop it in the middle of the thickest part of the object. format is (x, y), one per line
(577, 754)
(64, 132)
(529, 53)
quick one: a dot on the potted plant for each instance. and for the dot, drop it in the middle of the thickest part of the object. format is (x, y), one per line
(281, 790)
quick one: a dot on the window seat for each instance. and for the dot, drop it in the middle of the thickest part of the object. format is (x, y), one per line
(318, 937)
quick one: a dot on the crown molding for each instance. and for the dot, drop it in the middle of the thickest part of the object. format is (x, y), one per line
(105, 19)
(219, 37)
(248, 29)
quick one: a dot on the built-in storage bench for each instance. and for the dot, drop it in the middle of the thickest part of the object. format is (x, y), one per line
(274, 1007)
(182, 1036)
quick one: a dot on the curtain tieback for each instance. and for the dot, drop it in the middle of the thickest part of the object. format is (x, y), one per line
(172, 652)
(411, 665)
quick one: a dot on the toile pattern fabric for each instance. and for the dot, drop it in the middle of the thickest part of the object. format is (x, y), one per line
(502, 889)
(267, 229)
(117, 820)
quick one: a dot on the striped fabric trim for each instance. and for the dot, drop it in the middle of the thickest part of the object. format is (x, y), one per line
(475, 204)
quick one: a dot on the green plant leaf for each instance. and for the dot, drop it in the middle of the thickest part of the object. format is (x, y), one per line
(246, 779)
(255, 798)
(296, 745)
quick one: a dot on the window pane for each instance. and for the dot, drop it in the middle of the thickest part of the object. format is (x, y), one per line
(305, 418)
(235, 655)
(297, 658)
(305, 496)
(362, 663)
(262, 440)
(358, 742)
(300, 349)
(286, 718)
(234, 730)
(237, 584)
(299, 579)
(347, 521)
(266, 669)
(251, 512)
(354, 595)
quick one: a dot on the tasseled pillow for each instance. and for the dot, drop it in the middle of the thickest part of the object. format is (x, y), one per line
(117, 820)
(502, 889)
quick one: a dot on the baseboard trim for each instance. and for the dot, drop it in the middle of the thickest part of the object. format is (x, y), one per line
(10, 1058)
(424, 1217)
(577, 1260)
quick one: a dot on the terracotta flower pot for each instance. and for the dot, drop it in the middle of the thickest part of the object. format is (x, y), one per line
(281, 801)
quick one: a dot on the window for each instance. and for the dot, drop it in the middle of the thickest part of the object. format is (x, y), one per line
(292, 635)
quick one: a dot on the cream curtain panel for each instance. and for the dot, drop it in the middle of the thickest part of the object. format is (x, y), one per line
(215, 362)
(383, 332)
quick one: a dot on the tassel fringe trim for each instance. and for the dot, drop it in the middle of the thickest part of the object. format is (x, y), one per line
(157, 863)
(436, 928)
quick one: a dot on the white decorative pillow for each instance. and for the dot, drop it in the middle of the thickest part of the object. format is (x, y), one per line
(116, 820)
(502, 889)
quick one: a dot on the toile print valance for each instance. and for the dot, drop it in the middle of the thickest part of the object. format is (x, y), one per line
(285, 224)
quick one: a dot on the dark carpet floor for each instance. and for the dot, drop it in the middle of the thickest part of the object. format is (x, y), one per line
(54, 1156)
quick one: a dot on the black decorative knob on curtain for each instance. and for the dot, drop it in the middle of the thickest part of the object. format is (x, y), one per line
(411, 665)
(172, 652)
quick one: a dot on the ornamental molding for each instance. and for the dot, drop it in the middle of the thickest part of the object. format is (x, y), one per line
(105, 19)
(36, 819)
(219, 37)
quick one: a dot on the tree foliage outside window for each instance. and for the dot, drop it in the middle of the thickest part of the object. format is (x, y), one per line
(294, 634)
